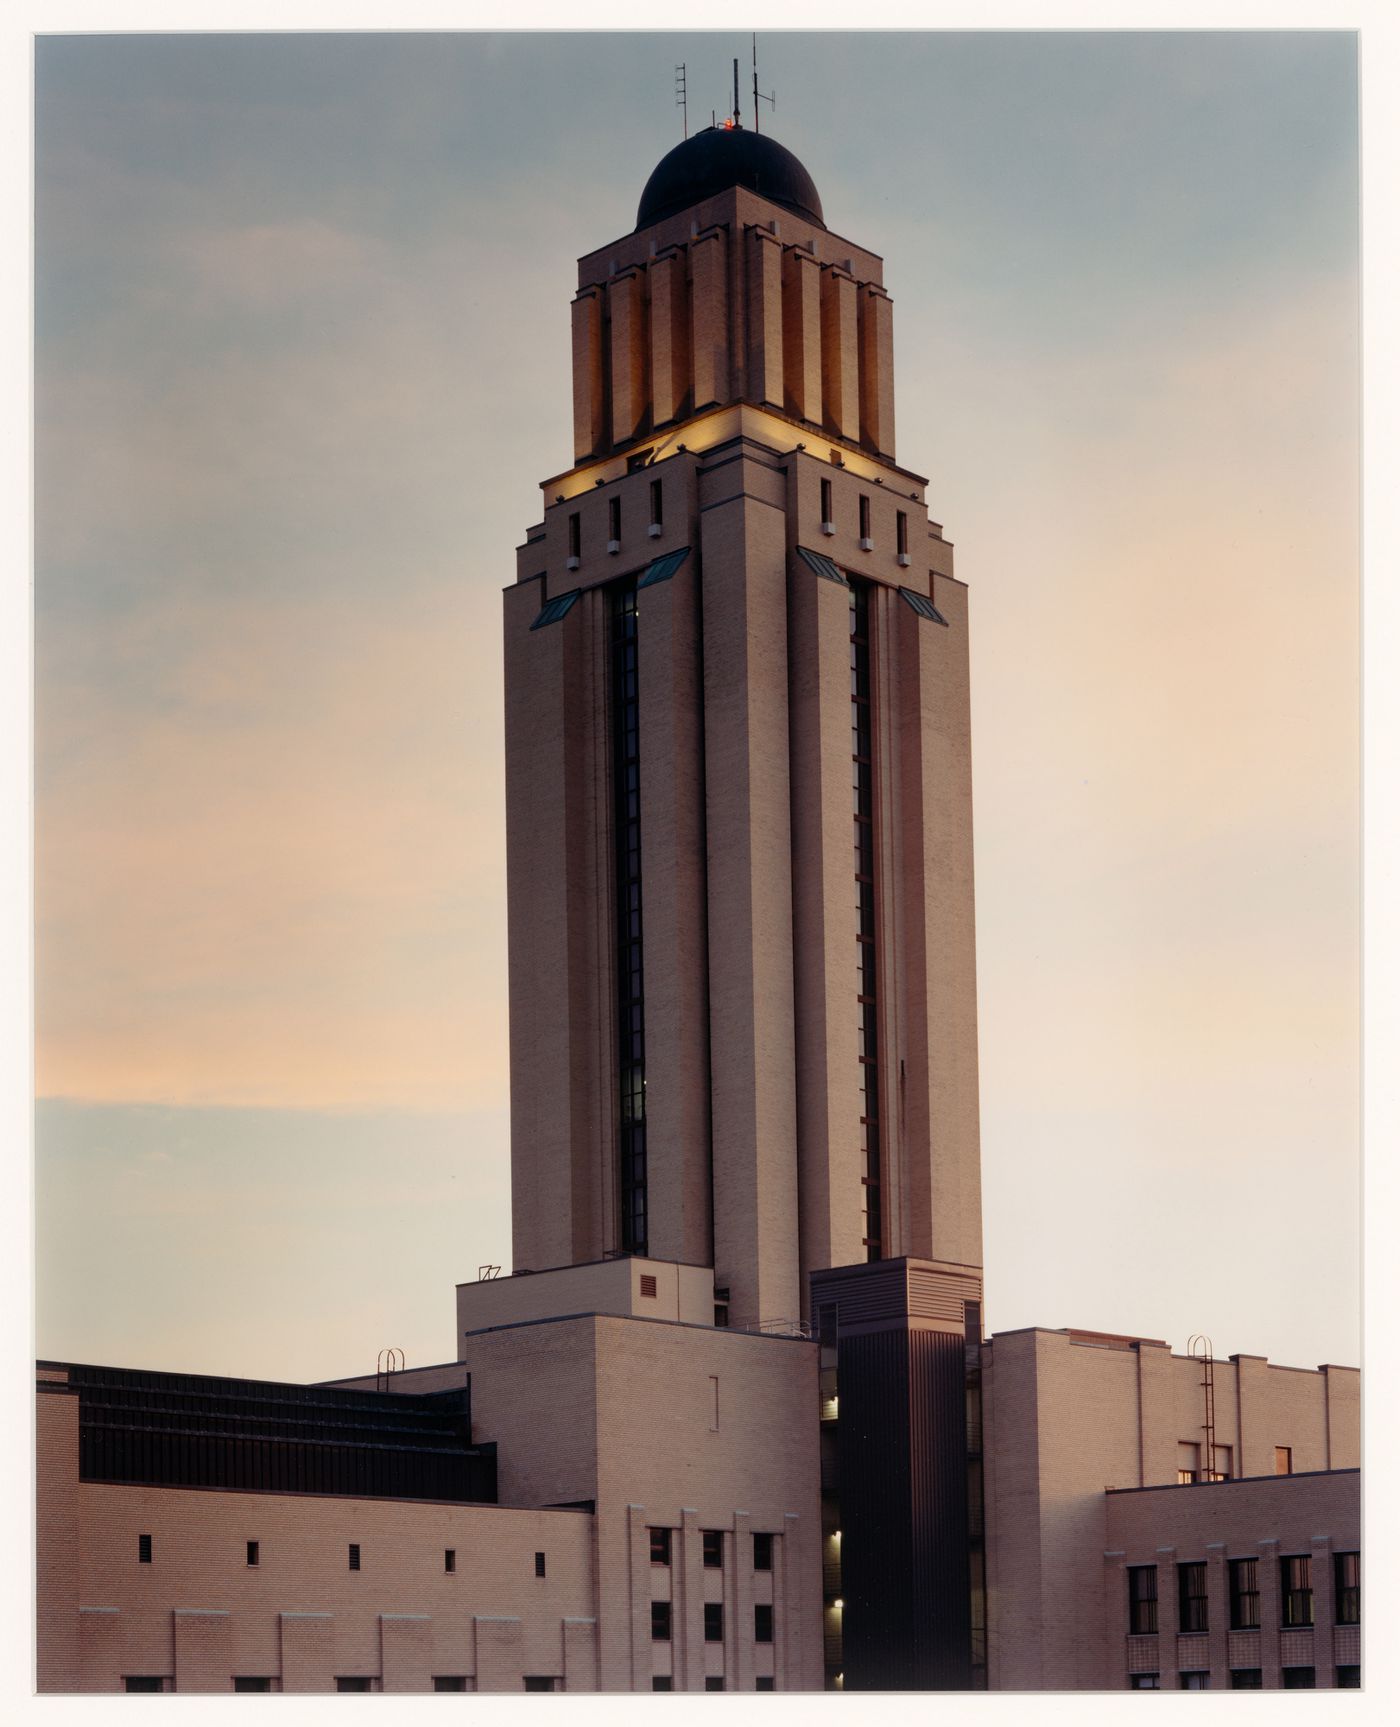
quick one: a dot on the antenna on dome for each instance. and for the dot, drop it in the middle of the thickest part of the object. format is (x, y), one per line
(758, 95)
(680, 100)
(737, 120)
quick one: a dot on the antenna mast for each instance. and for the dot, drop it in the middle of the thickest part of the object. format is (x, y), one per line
(758, 95)
(680, 100)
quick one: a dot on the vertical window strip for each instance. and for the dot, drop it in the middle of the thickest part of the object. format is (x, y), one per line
(627, 852)
(863, 809)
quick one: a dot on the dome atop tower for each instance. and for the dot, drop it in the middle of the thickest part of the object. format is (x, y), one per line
(724, 156)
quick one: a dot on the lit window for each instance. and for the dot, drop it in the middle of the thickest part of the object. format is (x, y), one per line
(712, 1541)
(1188, 1463)
(1244, 1594)
(661, 1621)
(714, 1622)
(1142, 1599)
(1222, 1463)
(1191, 1596)
(1295, 1585)
(660, 1546)
(1346, 1577)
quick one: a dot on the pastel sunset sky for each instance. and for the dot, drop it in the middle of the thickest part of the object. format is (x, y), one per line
(302, 357)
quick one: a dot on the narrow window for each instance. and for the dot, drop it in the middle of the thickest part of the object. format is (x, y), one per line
(763, 1552)
(352, 1682)
(252, 1552)
(1346, 1572)
(660, 1546)
(143, 1549)
(1142, 1599)
(1348, 1678)
(1244, 1594)
(661, 1682)
(1283, 1460)
(656, 503)
(901, 533)
(1246, 1679)
(538, 1683)
(1195, 1681)
(1299, 1679)
(1191, 1596)
(252, 1682)
(712, 1542)
(1144, 1682)
(1295, 1581)
(714, 1685)
(714, 1622)
(661, 1621)
(714, 1393)
(449, 1558)
(615, 520)
(354, 1556)
(826, 502)
(763, 1622)
(765, 1682)
(575, 536)
(144, 1682)
(450, 1682)
(539, 1565)
(1188, 1463)
(1223, 1463)
(864, 517)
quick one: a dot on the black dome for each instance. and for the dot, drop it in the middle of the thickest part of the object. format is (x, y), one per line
(721, 157)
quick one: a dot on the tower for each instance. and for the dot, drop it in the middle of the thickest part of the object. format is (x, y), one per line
(738, 778)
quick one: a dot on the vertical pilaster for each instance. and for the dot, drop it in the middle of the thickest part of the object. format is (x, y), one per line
(406, 1651)
(765, 316)
(688, 1663)
(840, 353)
(802, 334)
(627, 354)
(709, 318)
(56, 1542)
(1324, 1612)
(1168, 1618)
(203, 1652)
(1218, 1612)
(1270, 1616)
(739, 1595)
(639, 1595)
(670, 337)
(876, 369)
(589, 425)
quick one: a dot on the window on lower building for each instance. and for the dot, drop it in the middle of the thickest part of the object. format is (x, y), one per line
(763, 1552)
(901, 533)
(144, 1682)
(1144, 1682)
(1244, 1594)
(714, 1622)
(864, 517)
(1283, 1460)
(252, 1553)
(661, 1621)
(712, 1541)
(763, 1622)
(1142, 1599)
(252, 1682)
(1348, 1678)
(1223, 1463)
(826, 501)
(354, 1556)
(143, 1549)
(1188, 1463)
(1246, 1679)
(661, 1681)
(660, 1546)
(352, 1683)
(765, 1682)
(1346, 1578)
(615, 519)
(1295, 1587)
(449, 1558)
(1299, 1679)
(450, 1682)
(575, 537)
(1192, 1606)
(539, 1565)
(714, 1684)
(1195, 1681)
(541, 1682)
(656, 517)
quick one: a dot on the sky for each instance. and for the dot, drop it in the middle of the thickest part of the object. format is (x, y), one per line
(302, 357)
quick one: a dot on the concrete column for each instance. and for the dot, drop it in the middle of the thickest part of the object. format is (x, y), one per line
(589, 429)
(709, 318)
(674, 920)
(802, 334)
(580, 1654)
(840, 353)
(670, 337)
(406, 1651)
(824, 946)
(876, 369)
(308, 1652)
(203, 1650)
(765, 316)
(627, 354)
(749, 857)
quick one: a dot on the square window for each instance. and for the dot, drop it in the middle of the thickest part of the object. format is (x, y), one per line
(661, 1621)
(354, 1556)
(1348, 1678)
(143, 1549)
(765, 1682)
(660, 1546)
(763, 1622)
(763, 1552)
(252, 1553)
(712, 1541)
(714, 1622)
(450, 1682)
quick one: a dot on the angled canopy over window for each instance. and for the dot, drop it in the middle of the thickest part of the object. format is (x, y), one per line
(924, 606)
(556, 609)
(823, 566)
(662, 569)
